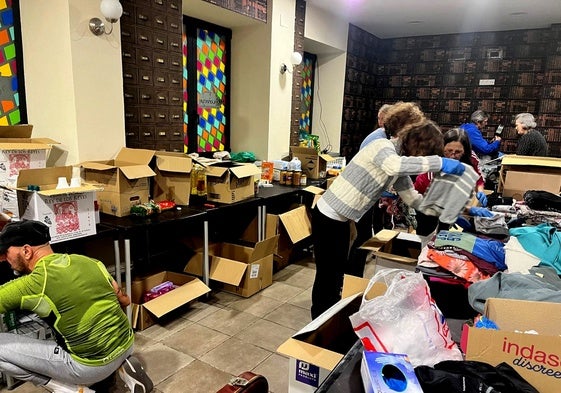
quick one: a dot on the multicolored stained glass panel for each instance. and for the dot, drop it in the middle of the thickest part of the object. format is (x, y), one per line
(211, 80)
(211, 91)
(9, 88)
(307, 92)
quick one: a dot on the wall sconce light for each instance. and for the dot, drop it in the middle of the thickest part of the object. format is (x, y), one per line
(112, 11)
(295, 59)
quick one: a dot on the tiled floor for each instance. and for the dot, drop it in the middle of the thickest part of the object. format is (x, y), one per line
(201, 346)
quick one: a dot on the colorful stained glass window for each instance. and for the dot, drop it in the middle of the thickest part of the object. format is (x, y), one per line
(307, 93)
(205, 84)
(11, 104)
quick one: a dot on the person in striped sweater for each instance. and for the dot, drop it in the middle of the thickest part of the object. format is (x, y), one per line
(415, 148)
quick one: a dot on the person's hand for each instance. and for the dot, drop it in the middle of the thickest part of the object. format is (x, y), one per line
(452, 167)
(482, 198)
(479, 212)
(497, 138)
(463, 223)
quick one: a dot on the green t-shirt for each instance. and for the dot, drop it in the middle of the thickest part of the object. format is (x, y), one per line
(74, 295)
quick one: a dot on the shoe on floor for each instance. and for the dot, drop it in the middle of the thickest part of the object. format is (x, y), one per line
(134, 376)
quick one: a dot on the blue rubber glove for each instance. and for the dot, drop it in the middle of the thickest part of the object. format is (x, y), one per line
(452, 167)
(482, 198)
(463, 223)
(479, 212)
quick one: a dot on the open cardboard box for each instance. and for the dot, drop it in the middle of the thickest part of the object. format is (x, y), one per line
(173, 177)
(19, 151)
(316, 349)
(519, 174)
(394, 249)
(124, 180)
(68, 212)
(292, 227)
(146, 314)
(314, 164)
(229, 182)
(536, 357)
(241, 269)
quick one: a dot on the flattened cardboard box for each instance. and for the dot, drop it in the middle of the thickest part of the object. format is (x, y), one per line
(68, 212)
(314, 164)
(124, 180)
(19, 151)
(146, 314)
(242, 270)
(519, 174)
(536, 357)
(292, 227)
(316, 349)
(228, 182)
(173, 177)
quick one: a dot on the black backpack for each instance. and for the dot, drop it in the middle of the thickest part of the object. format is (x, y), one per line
(542, 200)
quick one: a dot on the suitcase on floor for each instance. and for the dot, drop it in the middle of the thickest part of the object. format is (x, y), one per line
(246, 382)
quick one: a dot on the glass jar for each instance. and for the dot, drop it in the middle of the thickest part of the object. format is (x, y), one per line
(296, 176)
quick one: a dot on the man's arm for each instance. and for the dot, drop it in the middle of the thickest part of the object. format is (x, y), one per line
(123, 298)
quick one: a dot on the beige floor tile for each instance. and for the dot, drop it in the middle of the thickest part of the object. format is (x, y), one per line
(257, 305)
(228, 321)
(222, 299)
(275, 369)
(162, 362)
(235, 356)
(291, 316)
(200, 310)
(304, 299)
(195, 340)
(196, 377)
(282, 291)
(266, 334)
(303, 278)
(164, 328)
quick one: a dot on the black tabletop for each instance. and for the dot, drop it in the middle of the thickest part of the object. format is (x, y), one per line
(131, 222)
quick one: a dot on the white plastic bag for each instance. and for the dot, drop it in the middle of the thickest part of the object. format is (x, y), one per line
(405, 320)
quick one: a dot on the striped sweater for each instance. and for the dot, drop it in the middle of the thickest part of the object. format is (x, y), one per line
(371, 171)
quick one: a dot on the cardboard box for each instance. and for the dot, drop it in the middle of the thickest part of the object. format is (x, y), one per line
(228, 182)
(394, 249)
(173, 177)
(316, 349)
(519, 174)
(68, 212)
(292, 227)
(534, 356)
(19, 151)
(241, 269)
(314, 164)
(146, 314)
(125, 180)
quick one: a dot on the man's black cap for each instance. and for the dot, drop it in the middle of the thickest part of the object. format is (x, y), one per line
(19, 233)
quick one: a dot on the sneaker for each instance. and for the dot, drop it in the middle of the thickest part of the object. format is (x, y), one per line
(134, 376)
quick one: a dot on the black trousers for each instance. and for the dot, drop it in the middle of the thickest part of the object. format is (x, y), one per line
(357, 257)
(331, 240)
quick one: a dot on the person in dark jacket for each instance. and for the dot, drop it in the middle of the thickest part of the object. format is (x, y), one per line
(531, 142)
(479, 144)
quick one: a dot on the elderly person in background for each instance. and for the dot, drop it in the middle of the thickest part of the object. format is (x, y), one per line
(532, 142)
(480, 145)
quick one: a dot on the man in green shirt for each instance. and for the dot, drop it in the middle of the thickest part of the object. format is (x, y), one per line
(80, 301)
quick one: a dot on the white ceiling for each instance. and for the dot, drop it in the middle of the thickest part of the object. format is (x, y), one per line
(406, 18)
